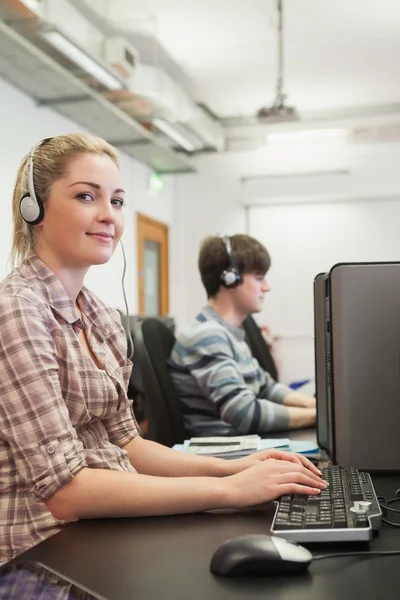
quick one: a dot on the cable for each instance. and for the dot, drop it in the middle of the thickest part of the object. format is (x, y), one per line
(366, 554)
(384, 504)
(390, 523)
(279, 92)
(127, 326)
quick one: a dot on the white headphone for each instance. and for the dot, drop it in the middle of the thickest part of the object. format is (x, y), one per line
(31, 207)
(231, 277)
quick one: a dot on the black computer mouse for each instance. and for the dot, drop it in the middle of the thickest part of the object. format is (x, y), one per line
(250, 555)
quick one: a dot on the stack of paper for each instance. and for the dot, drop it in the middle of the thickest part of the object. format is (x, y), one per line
(224, 447)
(242, 445)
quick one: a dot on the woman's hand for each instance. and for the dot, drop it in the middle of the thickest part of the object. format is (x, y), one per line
(270, 478)
(240, 464)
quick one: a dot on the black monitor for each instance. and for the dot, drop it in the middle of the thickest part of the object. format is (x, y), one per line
(357, 359)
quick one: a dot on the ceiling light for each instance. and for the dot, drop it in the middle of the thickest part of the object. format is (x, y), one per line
(175, 135)
(306, 135)
(32, 4)
(80, 58)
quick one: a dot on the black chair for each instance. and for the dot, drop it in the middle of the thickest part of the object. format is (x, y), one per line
(153, 342)
(259, 347)
(135, 385)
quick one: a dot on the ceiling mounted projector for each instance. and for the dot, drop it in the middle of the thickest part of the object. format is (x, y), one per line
(278, 113)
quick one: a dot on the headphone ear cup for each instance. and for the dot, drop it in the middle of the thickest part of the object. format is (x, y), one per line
(230, 278)
(31, 211)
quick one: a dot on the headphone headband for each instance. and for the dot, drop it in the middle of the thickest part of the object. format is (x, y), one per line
(31, 207)
(31, 185)
(228, 246)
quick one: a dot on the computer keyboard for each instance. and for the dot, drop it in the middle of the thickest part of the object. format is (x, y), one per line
(347, 510)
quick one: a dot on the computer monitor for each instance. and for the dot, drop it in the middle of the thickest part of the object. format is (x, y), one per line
(357, 354)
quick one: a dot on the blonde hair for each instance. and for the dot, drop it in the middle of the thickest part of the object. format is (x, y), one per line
(50, 163)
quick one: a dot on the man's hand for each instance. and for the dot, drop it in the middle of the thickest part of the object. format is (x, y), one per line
(300, 400)
(241, 464)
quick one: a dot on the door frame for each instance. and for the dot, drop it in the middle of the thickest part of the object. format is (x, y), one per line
(156, 231)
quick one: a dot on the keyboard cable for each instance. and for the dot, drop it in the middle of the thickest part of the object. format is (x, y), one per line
(384, 504)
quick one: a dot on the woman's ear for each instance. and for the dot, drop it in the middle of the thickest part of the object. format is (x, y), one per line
(39, 226)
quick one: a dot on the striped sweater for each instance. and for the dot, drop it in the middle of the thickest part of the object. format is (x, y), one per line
(222, 388)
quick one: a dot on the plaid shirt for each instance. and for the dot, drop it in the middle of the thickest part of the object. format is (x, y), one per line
(58, 411)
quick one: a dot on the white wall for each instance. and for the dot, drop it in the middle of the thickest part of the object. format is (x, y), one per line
(22, 124)
(310, 226)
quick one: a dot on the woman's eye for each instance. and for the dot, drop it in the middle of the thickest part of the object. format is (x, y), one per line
(85, 197)
(118, 202)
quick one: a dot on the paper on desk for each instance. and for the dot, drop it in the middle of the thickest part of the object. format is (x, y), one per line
(179, 447)
(282, 444)
(304, 447)
(224, 446)
(300, 446)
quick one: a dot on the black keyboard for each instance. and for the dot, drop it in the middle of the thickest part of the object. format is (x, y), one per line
(347, 510)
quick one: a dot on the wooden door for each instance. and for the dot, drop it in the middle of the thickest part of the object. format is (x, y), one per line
(153, 267)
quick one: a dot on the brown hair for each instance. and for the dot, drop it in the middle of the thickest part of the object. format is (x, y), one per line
(249, 255)
(50, 163)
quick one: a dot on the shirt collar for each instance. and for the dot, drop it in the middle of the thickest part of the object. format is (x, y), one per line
(52, 290)
(209, 313)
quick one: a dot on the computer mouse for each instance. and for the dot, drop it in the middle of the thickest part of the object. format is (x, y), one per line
(258, 554)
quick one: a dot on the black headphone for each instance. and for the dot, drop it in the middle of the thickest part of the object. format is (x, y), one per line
(31, 207)
(231, 277)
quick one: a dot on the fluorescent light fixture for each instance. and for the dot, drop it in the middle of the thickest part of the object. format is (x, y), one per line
(175, 135)
(80, 58)
(306, 135)
(32, 4)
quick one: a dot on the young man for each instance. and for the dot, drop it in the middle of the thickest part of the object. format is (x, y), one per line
(223, 389)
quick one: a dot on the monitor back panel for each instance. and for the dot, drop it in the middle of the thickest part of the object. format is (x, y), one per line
(365, 344)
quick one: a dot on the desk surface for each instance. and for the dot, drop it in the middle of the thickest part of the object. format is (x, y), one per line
(168, 557)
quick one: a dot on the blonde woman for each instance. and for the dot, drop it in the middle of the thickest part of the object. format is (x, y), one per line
(69, 443)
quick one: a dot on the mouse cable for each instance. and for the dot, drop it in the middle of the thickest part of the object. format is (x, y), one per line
(366, 553)
(127, 325)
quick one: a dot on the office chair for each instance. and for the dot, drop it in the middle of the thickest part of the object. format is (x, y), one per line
(135, 385)
(259, 347)
(153, 342)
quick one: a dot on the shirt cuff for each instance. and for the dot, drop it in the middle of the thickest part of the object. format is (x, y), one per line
(279, 393)
(58, 461)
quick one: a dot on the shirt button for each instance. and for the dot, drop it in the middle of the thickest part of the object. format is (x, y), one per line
(50, 449)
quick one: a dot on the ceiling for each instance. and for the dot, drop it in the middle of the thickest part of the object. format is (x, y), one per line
(338, 54)
(341, 59)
